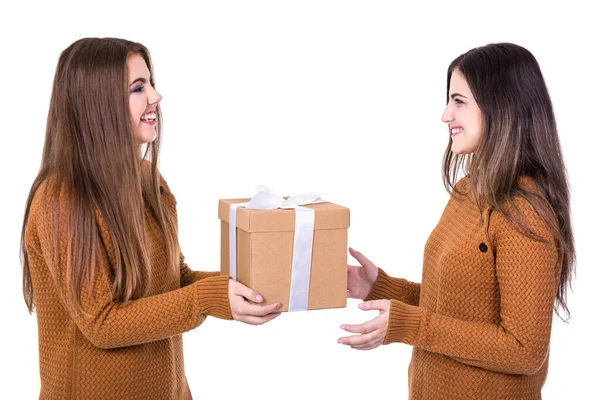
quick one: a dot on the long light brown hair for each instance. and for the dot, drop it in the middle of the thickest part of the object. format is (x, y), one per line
(91, 153)
(519, 139)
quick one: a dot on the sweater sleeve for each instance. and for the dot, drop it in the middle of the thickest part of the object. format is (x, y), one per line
(528, 273)
(107, 323)
(387, 287)
(189, 276)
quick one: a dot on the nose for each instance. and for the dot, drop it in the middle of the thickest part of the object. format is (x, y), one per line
(154, 97)
(448, 114)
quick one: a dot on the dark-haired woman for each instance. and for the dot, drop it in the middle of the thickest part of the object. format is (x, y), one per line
(500, 259)
(101, 258)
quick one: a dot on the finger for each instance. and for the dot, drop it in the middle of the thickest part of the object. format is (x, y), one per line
(353, 294)
(366, 327)
(364, 261)
(254, 320)
(353, 273)
(358, 340)
(375, 339)
(257, 309)
(369, 346)
(381, 305)
(246, 292)
(353, 280)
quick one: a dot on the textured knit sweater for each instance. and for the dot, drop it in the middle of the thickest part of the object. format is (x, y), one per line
(480, 320)
(120, 351)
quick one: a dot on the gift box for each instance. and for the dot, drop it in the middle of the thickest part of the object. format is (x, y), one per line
(296, 256)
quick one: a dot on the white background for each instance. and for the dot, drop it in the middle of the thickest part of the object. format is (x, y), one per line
(342, 97)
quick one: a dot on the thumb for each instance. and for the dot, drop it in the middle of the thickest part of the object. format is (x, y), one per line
(364, 261)
(245, 291)
(381, 305)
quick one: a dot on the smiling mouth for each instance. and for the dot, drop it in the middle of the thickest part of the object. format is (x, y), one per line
(455, 131)
(149, 117)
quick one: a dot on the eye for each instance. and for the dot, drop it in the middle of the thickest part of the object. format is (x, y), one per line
(138, 89)
(458, 101)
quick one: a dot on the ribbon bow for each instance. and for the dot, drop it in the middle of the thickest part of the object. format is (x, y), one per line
(266, 199)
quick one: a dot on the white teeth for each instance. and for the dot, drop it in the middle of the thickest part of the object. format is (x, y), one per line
(456, 130)
(151, 116)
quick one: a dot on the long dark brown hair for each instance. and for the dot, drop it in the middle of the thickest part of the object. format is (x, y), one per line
(519, 139)
(91, 153)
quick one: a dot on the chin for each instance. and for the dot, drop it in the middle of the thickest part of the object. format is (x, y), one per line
(146, 137)
(456, 151)
(461, 150)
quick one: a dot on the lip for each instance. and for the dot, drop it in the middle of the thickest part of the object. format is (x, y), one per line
(456, 127)
(151, 122)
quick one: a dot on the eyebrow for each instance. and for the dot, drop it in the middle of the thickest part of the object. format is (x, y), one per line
(143, 80)
(453, 95)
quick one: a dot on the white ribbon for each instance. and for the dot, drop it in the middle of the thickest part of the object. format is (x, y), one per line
(265, 199)
(233, 239)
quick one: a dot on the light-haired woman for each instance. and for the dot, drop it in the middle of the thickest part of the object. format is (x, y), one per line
(101, 258)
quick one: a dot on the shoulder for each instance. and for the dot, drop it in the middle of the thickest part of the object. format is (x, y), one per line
(49, 213)
(164, 186)
(166, 194)
(55, 203)
(461, 194)
(51, 198)
(520, 217)
(463, 186)
(528, 183)
(166, 199)
(526, 207)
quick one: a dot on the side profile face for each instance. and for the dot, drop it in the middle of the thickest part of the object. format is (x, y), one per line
(143, 99)
(463, 116)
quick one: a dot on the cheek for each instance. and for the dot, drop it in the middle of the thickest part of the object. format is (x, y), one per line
(472, 119)
(136, 109)
(478, 124)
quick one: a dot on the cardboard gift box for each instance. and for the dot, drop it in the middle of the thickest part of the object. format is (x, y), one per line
(265, 248)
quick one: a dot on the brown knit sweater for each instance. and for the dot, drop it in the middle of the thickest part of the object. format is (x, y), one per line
(121, 351)
(480, 320)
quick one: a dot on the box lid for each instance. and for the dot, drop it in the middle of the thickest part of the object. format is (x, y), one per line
(327, 216)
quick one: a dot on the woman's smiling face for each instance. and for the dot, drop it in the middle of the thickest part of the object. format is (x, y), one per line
(463, 116)
(143, 99)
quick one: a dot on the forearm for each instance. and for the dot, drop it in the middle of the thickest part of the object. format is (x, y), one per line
(387, 287)
(156, 317)
(483, 345)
